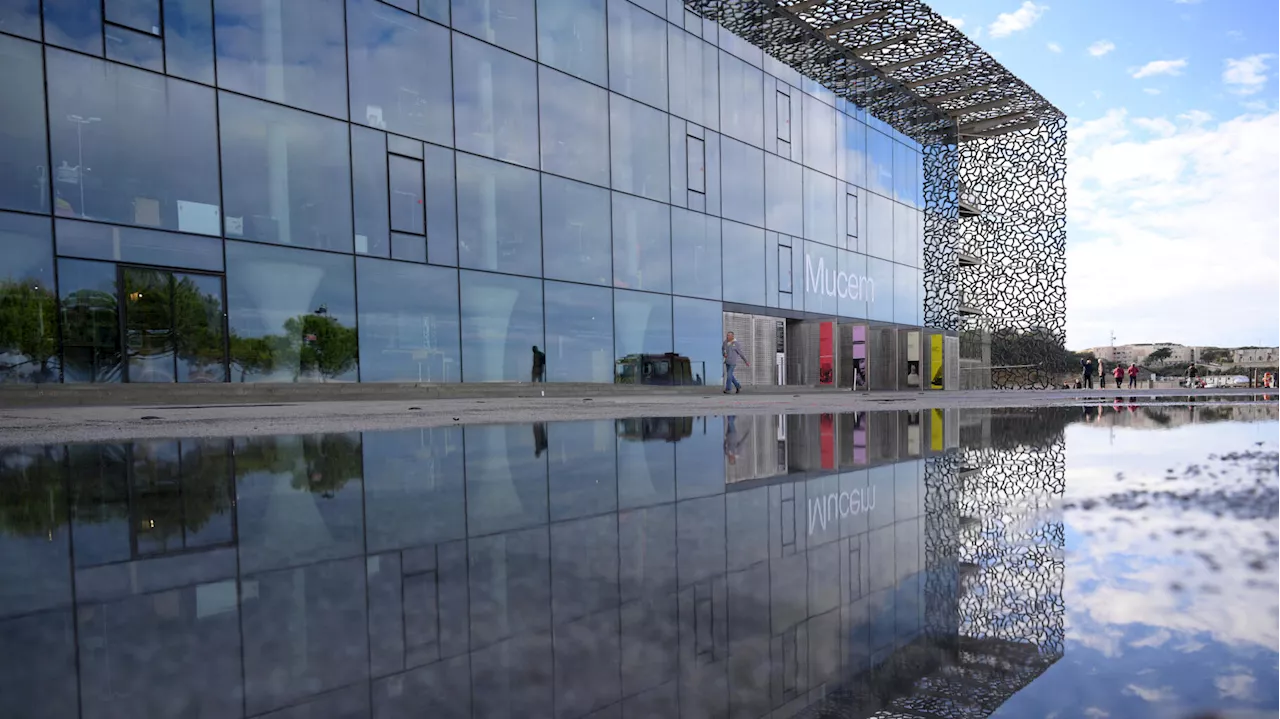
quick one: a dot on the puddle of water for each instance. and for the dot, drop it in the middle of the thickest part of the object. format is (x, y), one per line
(1072, 561)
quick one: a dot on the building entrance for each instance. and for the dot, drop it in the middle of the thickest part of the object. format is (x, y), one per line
(173, 324)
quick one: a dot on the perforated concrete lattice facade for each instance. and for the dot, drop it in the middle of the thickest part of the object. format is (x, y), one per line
(994, 165)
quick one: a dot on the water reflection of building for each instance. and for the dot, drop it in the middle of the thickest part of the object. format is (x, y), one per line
(1137, 415)
(494, 571)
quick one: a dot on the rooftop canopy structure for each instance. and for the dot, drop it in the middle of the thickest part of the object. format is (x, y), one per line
(899, 60)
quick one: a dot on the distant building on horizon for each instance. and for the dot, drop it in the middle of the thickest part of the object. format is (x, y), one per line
(1183, 354)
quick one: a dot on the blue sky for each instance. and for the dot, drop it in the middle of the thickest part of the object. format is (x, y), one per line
(1174, 163)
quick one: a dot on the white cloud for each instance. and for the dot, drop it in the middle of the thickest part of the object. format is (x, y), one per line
(1159, 67)
(1007, 23)
(1246, 75)
(957, 22)
(1097, 94)
(1101, 47)
(1151, 90)
(1186, 2)
(1157, 126)
(1181, 203)
(1054, 47)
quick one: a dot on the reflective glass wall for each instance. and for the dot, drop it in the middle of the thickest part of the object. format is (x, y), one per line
(424, 190)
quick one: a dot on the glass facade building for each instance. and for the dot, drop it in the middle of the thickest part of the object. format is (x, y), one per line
(425, 191)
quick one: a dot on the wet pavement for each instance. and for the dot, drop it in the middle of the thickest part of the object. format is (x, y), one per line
(1109, 559)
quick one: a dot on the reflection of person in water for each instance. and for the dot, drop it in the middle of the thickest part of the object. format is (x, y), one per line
(539, 373)
(539, 438)
(732, 441)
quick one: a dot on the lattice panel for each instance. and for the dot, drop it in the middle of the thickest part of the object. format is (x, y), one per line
(1021, 238)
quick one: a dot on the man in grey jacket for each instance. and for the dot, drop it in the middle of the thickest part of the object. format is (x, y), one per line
(729, 348)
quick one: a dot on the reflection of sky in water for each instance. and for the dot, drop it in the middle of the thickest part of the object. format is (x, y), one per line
(1171, 608)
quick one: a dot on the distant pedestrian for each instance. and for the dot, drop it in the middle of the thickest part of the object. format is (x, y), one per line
(539, 373)
(1086, 367)
(1118, 373)
(1193, 376)
(1133, 375)
(729, 348)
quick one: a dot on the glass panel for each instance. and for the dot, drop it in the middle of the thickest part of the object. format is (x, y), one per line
(21, 17)
(698, 334)
(410, 248)
(24, 172)
(141, 15)
(148, 325)
(742, 182)
(198, 316)
(506, 489)
(820, 207)
(855, 151)
(90, 321)
(694, 77)
(117, 134)
(571, 38)
(286, 175)
(744, 272)
(188, 39)
(904, 295)
(289, 52)
(785, 275)
(879, 239)
(495, 102)
(400, 75)
(576, 236)
(851, 215)
(879, 163)
(369, 175)
(414, 493)
(904, 234)
(641, 244)
(408, 322)
(403, 146)
(442, 207)
(575, 127)
(819, 136)
(437, 10)
(857, 287)
(499, 217)
(638, 147)
(136, 48)
(579, 333)
(904, 173)
(28, 305)
(505, 23)
(784, 196)
(583, 473)
(784, 117)
(501, 322)
(291, 314)
(880, 299)
(637, 54)
(821, 279)
(74, 24)
(741, 100)
(298, 500)
(695, 254)
(405, 177)
(696, 157)
(642, 336)
(93, 240)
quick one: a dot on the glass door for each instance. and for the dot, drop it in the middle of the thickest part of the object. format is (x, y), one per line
(173, 326)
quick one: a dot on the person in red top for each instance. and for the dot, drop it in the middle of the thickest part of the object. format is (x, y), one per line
(1133, 375)
(1118, 373)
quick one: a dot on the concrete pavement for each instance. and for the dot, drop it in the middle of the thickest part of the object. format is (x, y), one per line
(268, 413)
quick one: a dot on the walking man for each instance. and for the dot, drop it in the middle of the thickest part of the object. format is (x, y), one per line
(1087, 364)
(1118, 373)
(729, 348)
(539, 372)
(1133, 375)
